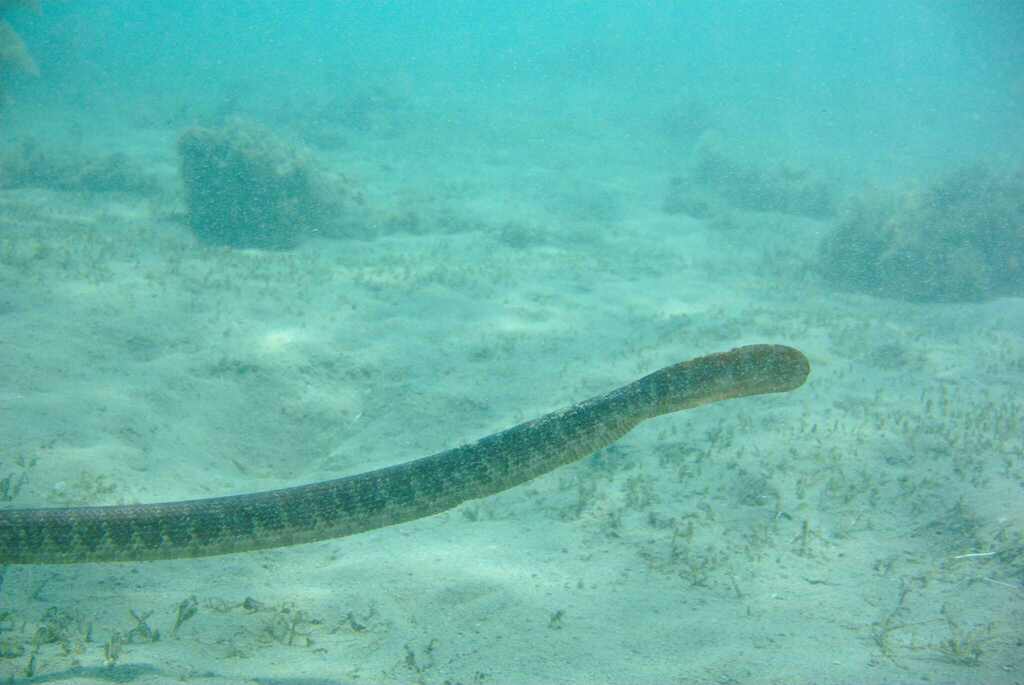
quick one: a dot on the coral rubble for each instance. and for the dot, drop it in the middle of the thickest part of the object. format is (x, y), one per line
(30, 165)
(720, 179)
(959, 239)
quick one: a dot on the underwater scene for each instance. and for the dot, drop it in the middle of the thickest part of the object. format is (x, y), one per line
(511, 343)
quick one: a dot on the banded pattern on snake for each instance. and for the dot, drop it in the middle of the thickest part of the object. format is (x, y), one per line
(387, 496)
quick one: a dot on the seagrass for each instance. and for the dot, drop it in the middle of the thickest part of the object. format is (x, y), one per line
(387, 496)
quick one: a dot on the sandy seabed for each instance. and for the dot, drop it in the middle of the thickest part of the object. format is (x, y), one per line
(867, 528)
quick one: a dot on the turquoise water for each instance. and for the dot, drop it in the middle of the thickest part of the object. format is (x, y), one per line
(936, 80)
(251, 245)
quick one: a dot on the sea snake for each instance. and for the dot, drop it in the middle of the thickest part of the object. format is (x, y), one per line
(387, 496)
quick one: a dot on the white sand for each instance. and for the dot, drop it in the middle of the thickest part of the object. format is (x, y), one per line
(798, 538)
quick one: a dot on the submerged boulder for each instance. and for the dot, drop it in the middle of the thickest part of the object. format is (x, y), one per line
(246, 188)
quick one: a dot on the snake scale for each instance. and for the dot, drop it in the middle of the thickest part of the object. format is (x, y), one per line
(387, 496)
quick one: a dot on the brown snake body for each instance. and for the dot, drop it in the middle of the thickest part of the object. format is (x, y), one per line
(387, 496)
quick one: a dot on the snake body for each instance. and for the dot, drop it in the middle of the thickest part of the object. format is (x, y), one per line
(387, 496)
